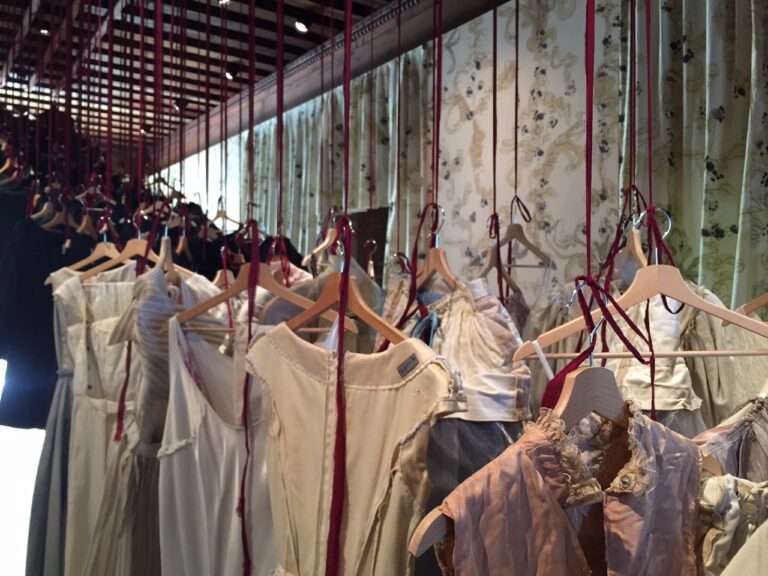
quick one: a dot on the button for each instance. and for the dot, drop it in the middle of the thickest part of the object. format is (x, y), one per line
(625, 481)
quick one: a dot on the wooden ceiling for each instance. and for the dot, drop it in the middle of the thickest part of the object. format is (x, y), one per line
(201, 38)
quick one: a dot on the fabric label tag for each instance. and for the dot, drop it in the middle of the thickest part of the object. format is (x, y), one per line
(407, 365)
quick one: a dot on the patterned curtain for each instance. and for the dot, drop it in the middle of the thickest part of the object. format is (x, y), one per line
(710, 138)
(314, 154)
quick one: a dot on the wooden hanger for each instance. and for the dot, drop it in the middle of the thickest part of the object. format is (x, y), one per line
(135, 248)
(516, 233)
(86, 227)
(224, 278)
(266, 281)
(329, 297)
(101, 250)
(588, 390)
(654, 280)
(61, 217)
(221, 214)
(330, 237)
(490, 264)
(436, 262)
(634, 247)
(752, 306)
(45, 213)
(182, 247)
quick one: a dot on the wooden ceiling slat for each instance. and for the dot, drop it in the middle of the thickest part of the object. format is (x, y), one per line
(195, 75)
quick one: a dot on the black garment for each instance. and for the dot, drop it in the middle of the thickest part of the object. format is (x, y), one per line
(13, 204)
(456, 450)
(26, 320)
(294, 255)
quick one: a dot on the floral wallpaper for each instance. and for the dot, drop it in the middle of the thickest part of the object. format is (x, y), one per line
(551, 134)
(709, 84)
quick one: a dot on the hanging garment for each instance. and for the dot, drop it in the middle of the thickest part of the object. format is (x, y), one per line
(127, 535)
(518, 308)
(470, 327)
(740, 444)
(713, 378)
(47, 526)
(597, 500)
(730, 511)
(677, 405)
(456, 450)
(274, 310)
(548, 312)
(100, 370)
(752, 558)
(201, 462)
(373, 295)
(26, 320)
(265, 250)
(391, 400)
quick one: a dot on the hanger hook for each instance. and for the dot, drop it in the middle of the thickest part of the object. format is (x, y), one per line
(638, 221)
(371, 242)
(592, 337)
(439, 213)
(579, 288)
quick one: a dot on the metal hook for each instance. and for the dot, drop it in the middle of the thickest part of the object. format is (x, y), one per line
(440, 213)
(592, 337)
(375, 244)
(579, 288)
(340, 252)
(637, 222)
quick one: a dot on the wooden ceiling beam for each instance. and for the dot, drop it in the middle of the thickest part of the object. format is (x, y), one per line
(302, 77)
(90, 47)
(57, 40)
(18, 43)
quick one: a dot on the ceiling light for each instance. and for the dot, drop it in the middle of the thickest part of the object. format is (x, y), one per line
(146, 129)
(9, 107)
(232, 71)
(223, 2)
(45, 32)
(179, 104)
(301, 28)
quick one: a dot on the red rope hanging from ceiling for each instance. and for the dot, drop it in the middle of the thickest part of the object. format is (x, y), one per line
(158, 95)
(208, 101)
(110, 94)
(142, 103)
(280, 76)
(437, 98)
(225, 108)
(494, 232)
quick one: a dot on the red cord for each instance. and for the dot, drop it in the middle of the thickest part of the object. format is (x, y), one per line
(494, 226)
(333, 556)
(280, 74)
(437, 94)
(398, 173)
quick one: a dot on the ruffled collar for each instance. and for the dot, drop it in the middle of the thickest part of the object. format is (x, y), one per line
(580, 451)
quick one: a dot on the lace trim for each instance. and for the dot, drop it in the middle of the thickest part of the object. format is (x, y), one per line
(582, 486)
(639, 475)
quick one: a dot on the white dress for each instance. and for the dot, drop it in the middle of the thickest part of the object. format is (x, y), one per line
(126, 539)
(202, 458)
(45, 550)
(99, 372)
